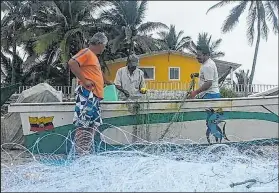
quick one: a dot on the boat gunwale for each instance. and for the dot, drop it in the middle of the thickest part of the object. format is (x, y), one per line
(153, 101)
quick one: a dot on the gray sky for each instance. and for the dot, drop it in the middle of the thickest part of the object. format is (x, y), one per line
(190, 16)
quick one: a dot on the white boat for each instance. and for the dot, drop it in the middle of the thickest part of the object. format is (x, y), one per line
(48, 127)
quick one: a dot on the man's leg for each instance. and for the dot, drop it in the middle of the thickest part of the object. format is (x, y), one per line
(86, 119)
(84, 140)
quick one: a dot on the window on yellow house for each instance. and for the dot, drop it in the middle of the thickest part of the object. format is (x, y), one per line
(149, 73)
(174, 73)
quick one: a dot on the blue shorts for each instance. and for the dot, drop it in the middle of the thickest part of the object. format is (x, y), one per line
(87, 110)
(211, 96)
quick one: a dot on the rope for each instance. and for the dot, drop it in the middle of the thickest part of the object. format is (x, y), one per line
(175, 116)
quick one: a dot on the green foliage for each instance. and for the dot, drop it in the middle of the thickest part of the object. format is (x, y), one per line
(50, 32)
(172, 40)
(227, 93)
(204, 41)
(127, 31)
(45, 41)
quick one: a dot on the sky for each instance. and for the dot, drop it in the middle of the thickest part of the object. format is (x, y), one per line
(191, 17)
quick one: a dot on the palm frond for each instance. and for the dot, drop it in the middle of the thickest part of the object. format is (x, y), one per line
(215, 44)
(7, 20)
(6, 6)
(72, 32)
(232, 19)
(64, 47)
(217, 54)
(141, 12)
(271, 16)
(146, 43)
(116, 42)
(180, 34)
(151, 26)
(162, 34)
(261, 14)
(251, 18)
(58, 11)
(220, 4)
(183, 43)
(44, 41)
(275, 5)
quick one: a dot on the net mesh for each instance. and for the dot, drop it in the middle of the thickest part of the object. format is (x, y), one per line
(136, 164)
(147, 166)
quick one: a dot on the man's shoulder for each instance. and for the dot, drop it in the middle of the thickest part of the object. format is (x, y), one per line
(140, 70)
(82, 52)
(121, 69)
(210, 62)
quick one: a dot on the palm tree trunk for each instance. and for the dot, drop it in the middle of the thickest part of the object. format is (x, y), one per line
(131, 48)
(255, 53)
(69, 76)
(14, 57)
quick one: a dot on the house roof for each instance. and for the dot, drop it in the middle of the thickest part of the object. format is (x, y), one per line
(222, 66)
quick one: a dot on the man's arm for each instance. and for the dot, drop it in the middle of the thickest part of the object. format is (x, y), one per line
(204, 87)
(142, 81)
(117, 83)
(208, 76)
(74, 66)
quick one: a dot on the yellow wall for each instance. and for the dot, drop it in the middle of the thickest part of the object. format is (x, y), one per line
(162, 63)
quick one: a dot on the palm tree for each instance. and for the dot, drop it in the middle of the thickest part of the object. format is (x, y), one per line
(242, 76)
(128, 32)
(172, 40)
(64, 28)
(242, 81)
(6, 69)
(205, 41)
(259, 12)
(12, 26)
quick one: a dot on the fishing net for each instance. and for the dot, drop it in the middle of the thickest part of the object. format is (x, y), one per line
(137, 163)
(148, 166)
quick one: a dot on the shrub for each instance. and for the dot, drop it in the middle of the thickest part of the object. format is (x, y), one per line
(227, 93)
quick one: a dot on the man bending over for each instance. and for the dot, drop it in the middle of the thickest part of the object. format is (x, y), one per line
(208, 76)
(130, 79)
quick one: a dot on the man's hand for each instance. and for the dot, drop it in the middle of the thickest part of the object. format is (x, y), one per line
(109, 83)
(193, 94)
(89, 84)
(143, 90)
(126, 93)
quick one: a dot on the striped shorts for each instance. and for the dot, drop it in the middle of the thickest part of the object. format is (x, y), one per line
(87, 110)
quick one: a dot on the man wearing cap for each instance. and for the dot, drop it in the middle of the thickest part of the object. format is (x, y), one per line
(208, 76)
(90, 91)
(130, 79)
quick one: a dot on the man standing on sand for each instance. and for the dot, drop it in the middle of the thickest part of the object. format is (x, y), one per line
(130, 79)
(208, 76)
(90, 91)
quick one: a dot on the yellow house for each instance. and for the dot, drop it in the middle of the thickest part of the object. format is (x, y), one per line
(169, 70)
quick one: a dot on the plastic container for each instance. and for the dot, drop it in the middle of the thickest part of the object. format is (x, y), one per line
(110, 93)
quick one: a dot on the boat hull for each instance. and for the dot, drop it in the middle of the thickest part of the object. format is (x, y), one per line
(145, 122)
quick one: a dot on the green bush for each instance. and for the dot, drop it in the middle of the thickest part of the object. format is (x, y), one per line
(227, 93)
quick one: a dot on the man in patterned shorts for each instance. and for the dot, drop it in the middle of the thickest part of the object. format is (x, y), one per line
(86, 67)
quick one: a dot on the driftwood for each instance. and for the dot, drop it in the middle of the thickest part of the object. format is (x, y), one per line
(251, 181)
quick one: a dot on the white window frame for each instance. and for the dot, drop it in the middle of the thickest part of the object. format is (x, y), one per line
(178, 73)
(154, 71)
